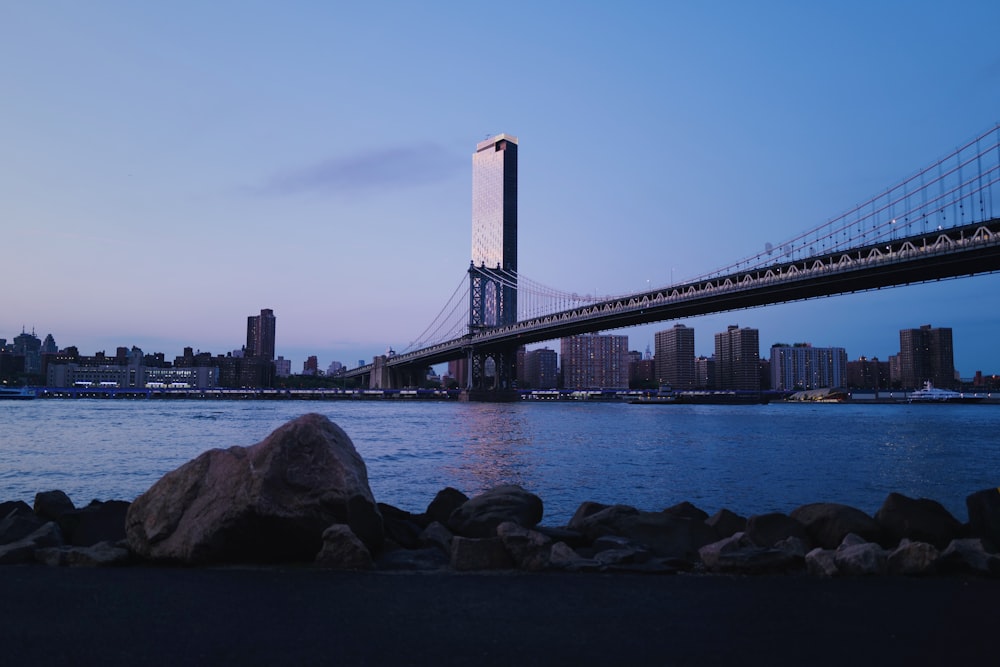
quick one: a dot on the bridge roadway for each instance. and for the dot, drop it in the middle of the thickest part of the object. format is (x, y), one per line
(935, 255)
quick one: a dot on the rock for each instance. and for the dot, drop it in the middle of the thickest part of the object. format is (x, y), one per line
(866, 558)
(50, 505)
(528, 548)
(821, 562)
(585, 509)
(726, 523)
(686, 510)
(469, 553)
(268, 502)
(17, 525)
(97, 522)
(617, 550)
(793, 546)
(828, 523)
(739, 554)
(969, 556)
(102, 554)
(23, 551)
(913, 558)
(920, 520)
(342, 550)
(766, 530)
(665, 535)
(400, 527)
(563, 557)
(571, 537)
(444, 503)
(593, 519)
(419, 560)
(438, 536)
(480, 516)
(16, 507)
(984, 516)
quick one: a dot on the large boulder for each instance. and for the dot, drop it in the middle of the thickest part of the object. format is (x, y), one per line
(268, 502)
(480, 516)
(920, 520)
(829, 523)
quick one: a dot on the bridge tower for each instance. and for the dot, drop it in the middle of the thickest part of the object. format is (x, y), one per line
(493, 268)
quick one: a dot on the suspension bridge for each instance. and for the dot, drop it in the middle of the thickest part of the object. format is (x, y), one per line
(941, 222)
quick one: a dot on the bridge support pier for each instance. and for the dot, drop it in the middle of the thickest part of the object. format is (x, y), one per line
(492, 375)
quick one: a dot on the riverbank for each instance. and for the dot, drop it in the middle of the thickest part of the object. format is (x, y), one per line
(276, 616)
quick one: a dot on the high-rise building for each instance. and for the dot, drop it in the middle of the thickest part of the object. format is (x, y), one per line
(592, 361)
(802, 366)
(704, 372)
(494, 232)
(868, 374)
(260, 335)
(737, 359)
(458, 370)
(675, 357)
(30, 347)
(926, 354)
(282, 367)
(541, 368)
(310, 366)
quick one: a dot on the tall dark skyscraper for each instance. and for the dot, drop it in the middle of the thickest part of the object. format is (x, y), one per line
(260, 335)
(926, 354)
(494, 231)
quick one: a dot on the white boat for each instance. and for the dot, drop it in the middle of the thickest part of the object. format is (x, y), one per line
(16, 393)
(931, 394)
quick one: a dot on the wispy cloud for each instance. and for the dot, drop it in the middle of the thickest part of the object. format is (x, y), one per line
(377, 170)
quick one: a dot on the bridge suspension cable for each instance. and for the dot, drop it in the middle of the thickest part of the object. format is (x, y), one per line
(958, 189)
(451, 321)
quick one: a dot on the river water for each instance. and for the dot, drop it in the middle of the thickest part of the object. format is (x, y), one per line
(747, 458)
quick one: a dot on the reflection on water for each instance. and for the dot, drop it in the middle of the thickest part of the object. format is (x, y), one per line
(494, 441)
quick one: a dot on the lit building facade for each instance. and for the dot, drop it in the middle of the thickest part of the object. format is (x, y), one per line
(737, 359)
(674, 357)
(592, 361)
(802, 366)
(493, 291)
(704, 373)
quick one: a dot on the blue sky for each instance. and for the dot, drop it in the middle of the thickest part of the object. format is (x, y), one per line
(167, 169)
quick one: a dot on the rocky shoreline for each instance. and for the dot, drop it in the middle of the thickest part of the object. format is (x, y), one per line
(301, 496)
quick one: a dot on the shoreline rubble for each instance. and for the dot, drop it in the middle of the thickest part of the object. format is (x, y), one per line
(301, 496)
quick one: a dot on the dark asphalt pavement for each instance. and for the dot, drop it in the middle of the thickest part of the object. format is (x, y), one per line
(279, 616)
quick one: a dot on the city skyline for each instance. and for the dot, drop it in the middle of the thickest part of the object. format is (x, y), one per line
(315, 162)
